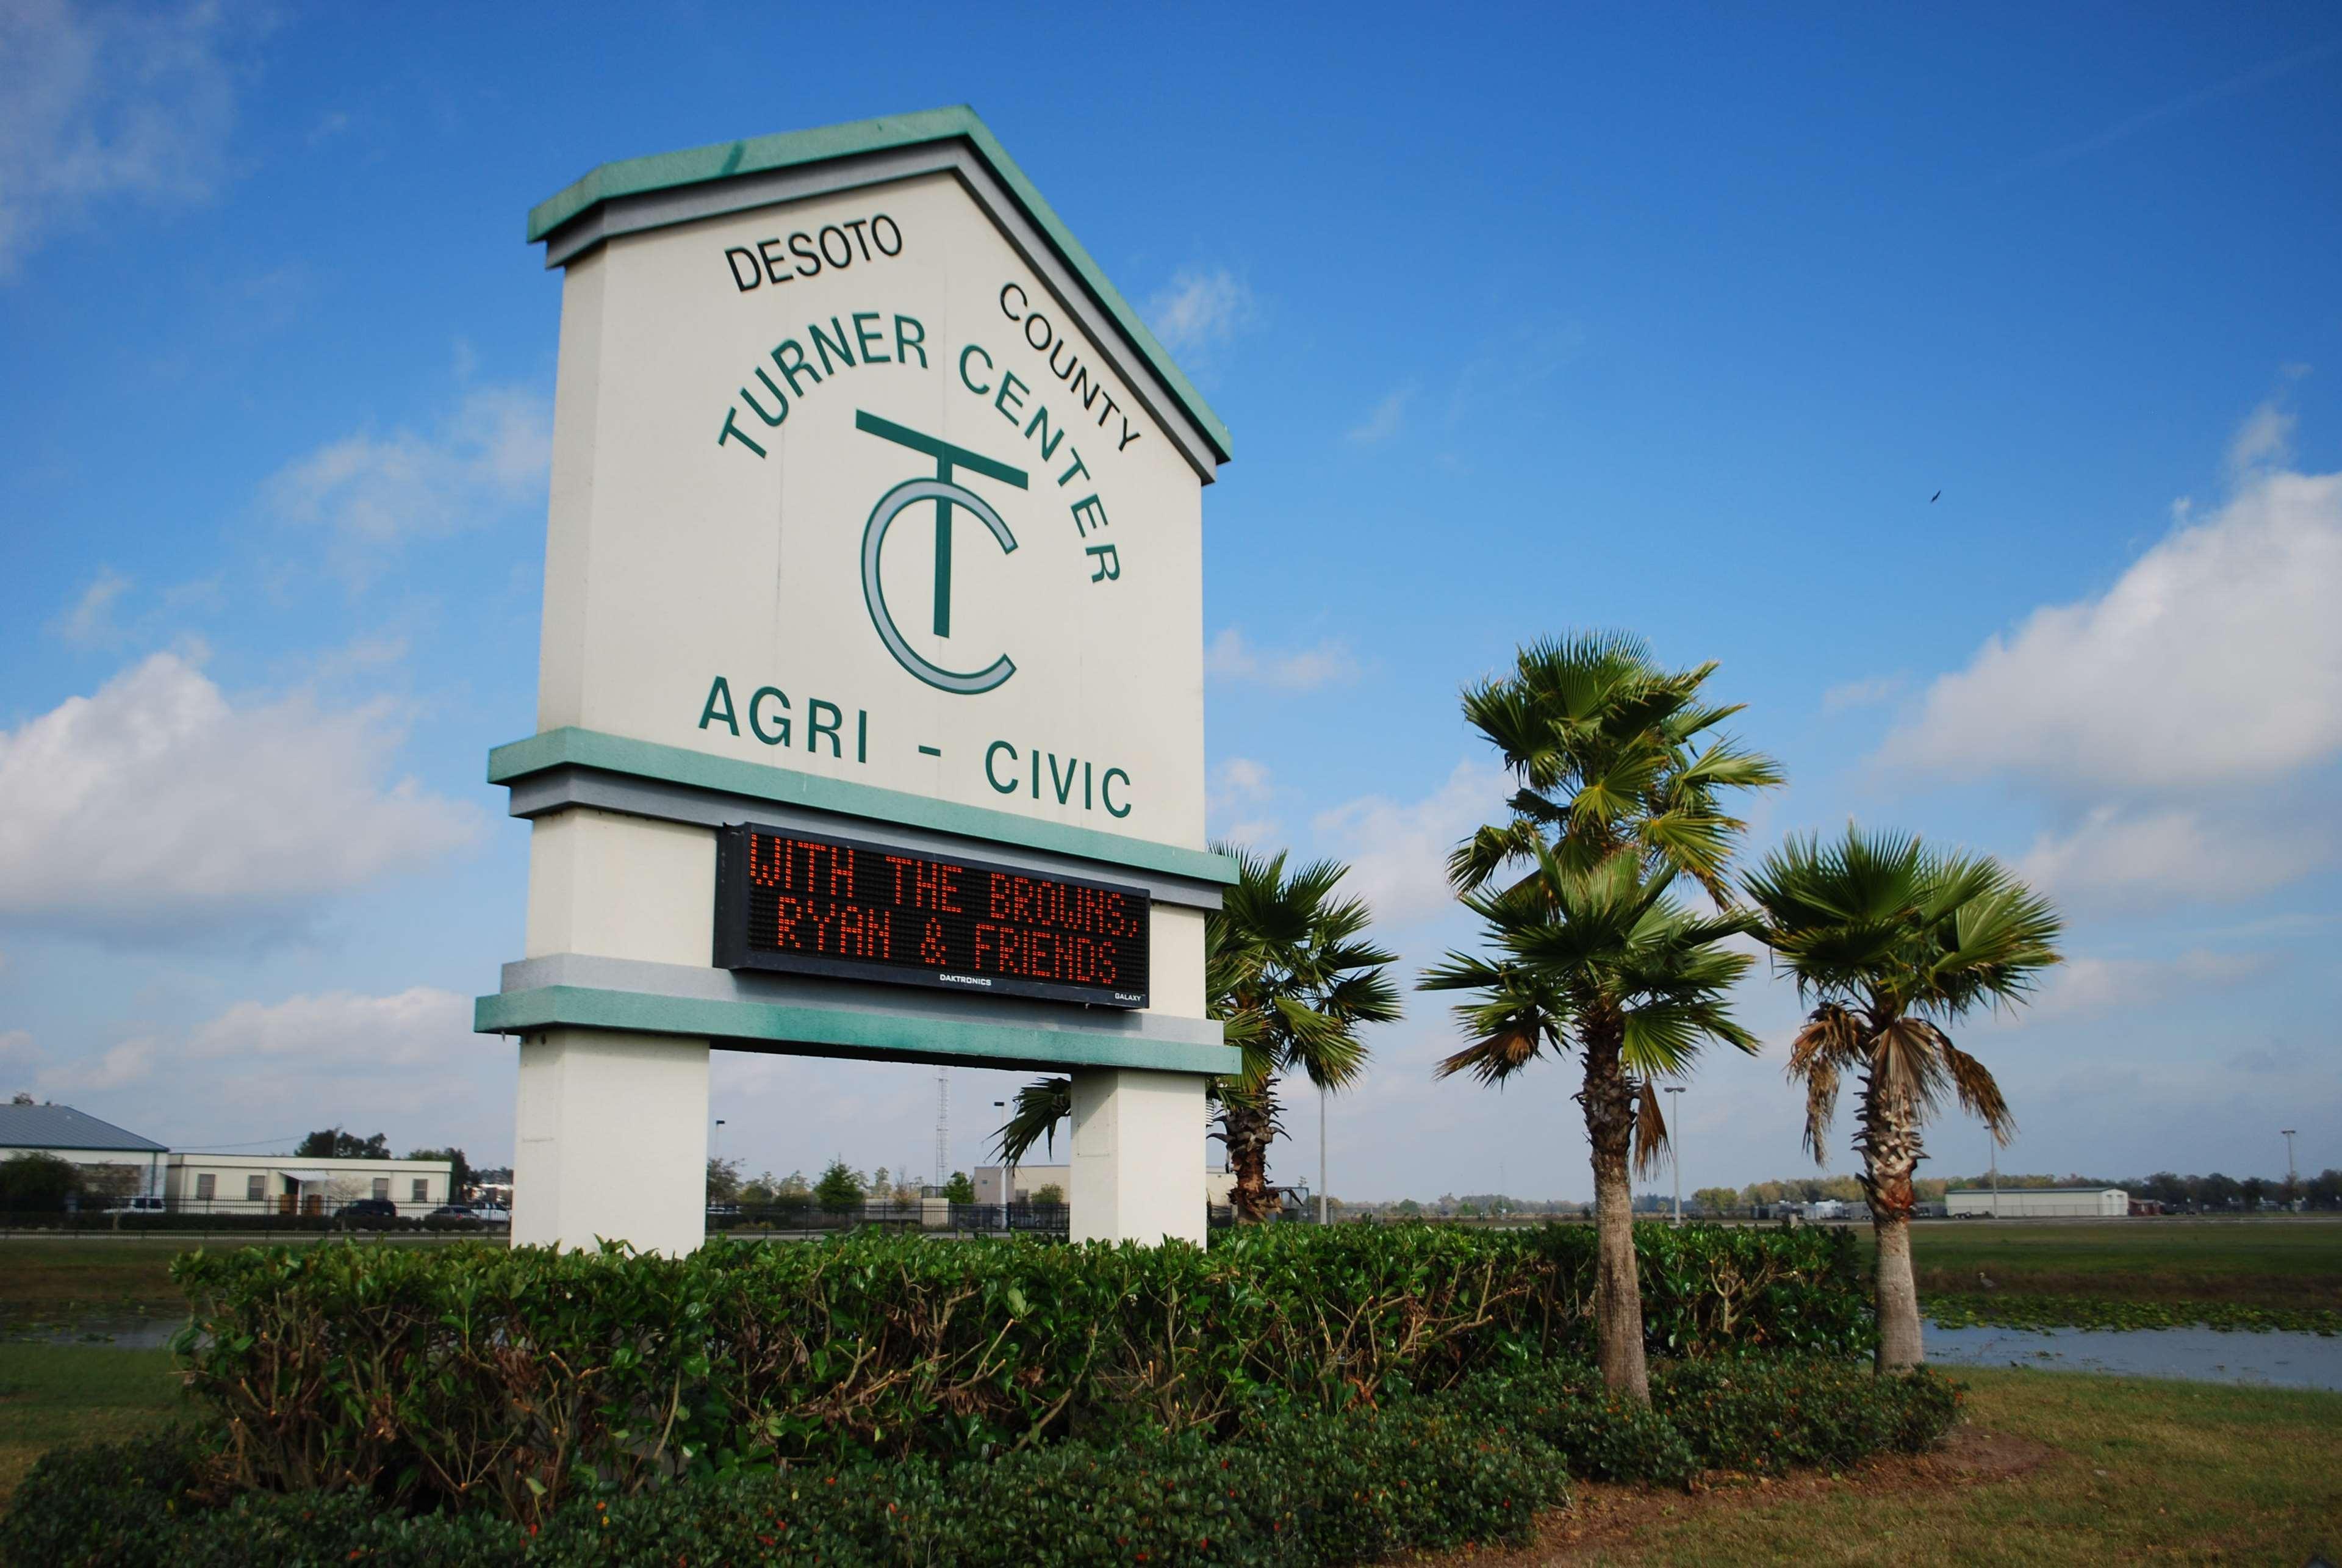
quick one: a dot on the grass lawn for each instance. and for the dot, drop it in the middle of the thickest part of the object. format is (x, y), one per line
(2271, 1263)
(2049, 1468)
(52, 1278)
(54, 1394)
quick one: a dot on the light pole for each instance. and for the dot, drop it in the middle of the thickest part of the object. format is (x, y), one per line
(1675, 1147)
(715, 1151)
(1324, 1094)
(1007, 1168)
(2292, 1182)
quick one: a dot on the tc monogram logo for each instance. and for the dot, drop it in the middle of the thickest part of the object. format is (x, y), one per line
(946, 495)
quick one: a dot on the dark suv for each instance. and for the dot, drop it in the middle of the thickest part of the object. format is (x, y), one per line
(366, 1211)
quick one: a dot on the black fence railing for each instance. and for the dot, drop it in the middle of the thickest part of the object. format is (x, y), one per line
(199, 1220)
(747, 1221)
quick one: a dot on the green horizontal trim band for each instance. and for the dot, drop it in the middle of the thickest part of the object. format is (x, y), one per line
(572, 747)
(726, 160)
(839, 1031)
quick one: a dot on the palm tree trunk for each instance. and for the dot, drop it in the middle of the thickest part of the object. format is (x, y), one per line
(1608, 1098)
(1247, 1126)
(1890, 1152)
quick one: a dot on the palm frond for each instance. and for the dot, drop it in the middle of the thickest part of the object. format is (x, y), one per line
(1978, 1094)
(1038, 1107)
(1650, 1130)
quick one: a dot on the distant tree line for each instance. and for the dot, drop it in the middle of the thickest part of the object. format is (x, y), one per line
(839, 1187)
(339, 1143)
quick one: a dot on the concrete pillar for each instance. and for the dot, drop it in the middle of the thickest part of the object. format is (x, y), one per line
(612, 1141)
(1138, 1156)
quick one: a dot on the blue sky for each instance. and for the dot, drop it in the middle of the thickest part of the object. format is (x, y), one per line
(1671, 320)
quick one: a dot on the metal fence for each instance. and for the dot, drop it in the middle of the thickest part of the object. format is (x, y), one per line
(749, 1220)
(198, 1222)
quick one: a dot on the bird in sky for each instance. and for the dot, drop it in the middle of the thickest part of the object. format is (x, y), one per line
(1934, 498)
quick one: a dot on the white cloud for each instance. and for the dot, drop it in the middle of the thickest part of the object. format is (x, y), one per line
(1864, 693)
(129, 1063)
(1230, 657)
(2215, 660)
(96, 104)
(342, 1031)
(2082, 987)
(1242, 779)
(1238, 786)
(2116, 856)
(1398, 851)
(2265, 439)
(89, 623)
(158, 807)
(1383, 422)
(406, 1062)
(17, 1046)
(1200, 308)
(374, 493)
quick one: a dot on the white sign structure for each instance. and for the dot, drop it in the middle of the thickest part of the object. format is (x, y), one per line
(876, 527)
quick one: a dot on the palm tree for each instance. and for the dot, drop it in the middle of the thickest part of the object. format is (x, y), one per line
(1603, 961)
(1290, 975)
(1616, 760)
(1294, 967)
(1891, 942)
(1612, 753)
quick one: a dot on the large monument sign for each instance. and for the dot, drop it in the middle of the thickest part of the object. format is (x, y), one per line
(870, 701)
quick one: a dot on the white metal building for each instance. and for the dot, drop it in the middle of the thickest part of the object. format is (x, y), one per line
(80, 1139)
(2039, 1203)
(296, 1184)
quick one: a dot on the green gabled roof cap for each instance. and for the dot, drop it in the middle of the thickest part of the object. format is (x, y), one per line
(724, 160)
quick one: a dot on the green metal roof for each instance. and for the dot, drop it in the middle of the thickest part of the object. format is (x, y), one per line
(726, 160)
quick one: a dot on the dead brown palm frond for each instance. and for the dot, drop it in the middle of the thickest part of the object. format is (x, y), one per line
(1493, 1060)
(1832, 1035)
(1821, 1108)
(1906, 1065)
(1978, 1094)
(1828, 1045)
(1650, 1130)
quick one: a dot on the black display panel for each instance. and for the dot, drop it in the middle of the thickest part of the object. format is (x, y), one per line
(808, 904)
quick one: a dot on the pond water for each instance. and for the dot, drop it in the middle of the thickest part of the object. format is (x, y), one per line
(2200, 1355)
(122, 1331)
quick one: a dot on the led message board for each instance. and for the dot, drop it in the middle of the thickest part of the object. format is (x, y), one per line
(808, 904)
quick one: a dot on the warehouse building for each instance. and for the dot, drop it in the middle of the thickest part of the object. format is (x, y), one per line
(119, 1163)
(299, 1184)
(2038, 1203)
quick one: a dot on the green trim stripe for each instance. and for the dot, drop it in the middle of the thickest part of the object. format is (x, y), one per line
(575, 748)
(726, 160)
(842, 1031)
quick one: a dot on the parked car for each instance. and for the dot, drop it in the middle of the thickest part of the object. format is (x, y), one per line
(491, 1213)
(453, 1212)
(366, 1211)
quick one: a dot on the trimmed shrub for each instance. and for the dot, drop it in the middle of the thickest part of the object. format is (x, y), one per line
(470, 1375)
(1473, 1463)
(1303, 1489)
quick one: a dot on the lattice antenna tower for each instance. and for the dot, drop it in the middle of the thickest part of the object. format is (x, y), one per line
(943, 1125)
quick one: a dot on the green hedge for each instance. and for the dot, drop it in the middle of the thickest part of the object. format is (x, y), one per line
(476, 1374)
(1473, 1463)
